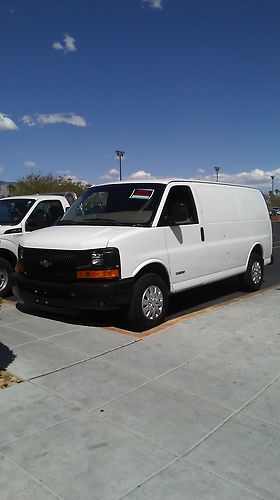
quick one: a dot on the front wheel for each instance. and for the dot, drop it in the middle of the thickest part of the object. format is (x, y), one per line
(149, 302)
(253, 277)
(6, 271)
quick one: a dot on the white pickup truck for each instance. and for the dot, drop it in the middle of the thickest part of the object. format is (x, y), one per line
(18, 215)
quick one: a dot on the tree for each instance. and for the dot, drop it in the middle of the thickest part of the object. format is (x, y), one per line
(39, 184)
(274, 199)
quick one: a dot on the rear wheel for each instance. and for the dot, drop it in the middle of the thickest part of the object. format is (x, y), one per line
(149, 302)
(253, 277)
(6, 271)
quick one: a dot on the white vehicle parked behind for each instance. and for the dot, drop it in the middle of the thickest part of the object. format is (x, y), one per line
(18, 215)
(131, 244)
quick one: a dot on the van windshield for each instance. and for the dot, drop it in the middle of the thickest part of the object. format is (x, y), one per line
(116, 204)
(13, 210)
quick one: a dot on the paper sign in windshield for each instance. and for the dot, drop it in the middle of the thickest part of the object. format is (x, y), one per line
(142, 194)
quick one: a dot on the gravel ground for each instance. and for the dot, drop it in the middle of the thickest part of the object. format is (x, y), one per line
(7, 379)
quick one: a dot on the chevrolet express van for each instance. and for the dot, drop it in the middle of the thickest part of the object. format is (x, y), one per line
(131, 244)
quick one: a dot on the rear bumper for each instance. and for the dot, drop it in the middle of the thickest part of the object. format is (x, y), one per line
(73, 296)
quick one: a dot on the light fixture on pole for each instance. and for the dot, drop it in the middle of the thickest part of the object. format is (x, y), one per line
(120, 155)
(272, 183)
(217, 173)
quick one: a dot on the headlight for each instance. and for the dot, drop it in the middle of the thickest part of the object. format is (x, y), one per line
(105, 264)
(97, 259)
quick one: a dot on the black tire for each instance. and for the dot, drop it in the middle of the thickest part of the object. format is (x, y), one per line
(253, 277)
(6, 271)
(149, 302)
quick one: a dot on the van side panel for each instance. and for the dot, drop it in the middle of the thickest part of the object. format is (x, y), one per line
(236, 219)
(255, 224)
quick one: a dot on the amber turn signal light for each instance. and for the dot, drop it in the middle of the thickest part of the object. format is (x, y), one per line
(106, 273)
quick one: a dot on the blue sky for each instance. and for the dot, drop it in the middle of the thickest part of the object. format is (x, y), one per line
(181, 86)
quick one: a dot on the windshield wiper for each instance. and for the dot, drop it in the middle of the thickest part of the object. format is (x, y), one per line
(93, 220)
(68, 221)
(101, 220)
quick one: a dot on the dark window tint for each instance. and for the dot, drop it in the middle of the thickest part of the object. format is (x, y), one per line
(45, 214)
(179, 201)
(12, 210)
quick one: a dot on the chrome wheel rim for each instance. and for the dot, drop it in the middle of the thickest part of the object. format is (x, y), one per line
(152, 302)
(256, 273)
(4, 277)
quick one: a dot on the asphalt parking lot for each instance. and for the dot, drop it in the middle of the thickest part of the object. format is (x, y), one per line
(191, 411)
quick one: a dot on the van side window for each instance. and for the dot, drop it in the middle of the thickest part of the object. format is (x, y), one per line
(179, 208)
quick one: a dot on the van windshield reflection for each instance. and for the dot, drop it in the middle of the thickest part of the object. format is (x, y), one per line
(125, 204)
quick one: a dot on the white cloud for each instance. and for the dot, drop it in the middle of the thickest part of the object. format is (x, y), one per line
(54, 118)
(6, 123)
(70, 118)
(154, 4)
(30, 164)
(67, 45)
(112, 174)
(1, 168)
(74, 178)
(200, 171)
(57, 46)
(70, 44)
(28, 120)
(141, 174)
(256, 178)
(114, 171)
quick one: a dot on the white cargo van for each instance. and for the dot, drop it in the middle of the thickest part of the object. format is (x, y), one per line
(131, 244)
(20, 214)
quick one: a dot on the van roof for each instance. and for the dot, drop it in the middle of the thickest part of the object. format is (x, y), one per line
(171, 179)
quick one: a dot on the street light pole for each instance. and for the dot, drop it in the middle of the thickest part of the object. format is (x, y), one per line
(120, 155)
(272, 183)
(217, 173)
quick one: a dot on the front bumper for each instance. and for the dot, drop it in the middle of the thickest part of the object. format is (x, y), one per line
(73, 296)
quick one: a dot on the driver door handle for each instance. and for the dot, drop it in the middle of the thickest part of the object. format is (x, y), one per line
(202, 234)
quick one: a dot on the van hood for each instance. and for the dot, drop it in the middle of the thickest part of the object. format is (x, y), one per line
(74, 237)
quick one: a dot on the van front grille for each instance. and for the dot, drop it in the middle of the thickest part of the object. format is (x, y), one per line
(54, 265)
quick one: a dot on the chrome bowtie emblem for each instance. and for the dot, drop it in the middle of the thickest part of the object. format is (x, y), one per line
(45, 263)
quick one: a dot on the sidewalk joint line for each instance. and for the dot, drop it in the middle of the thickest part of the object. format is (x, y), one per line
(209, 434)
(88, 358)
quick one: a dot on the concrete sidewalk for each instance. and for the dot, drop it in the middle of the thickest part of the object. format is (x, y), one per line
(192, 412)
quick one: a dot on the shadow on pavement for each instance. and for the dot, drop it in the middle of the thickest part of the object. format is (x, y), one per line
(180, 304)
(7, 356)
